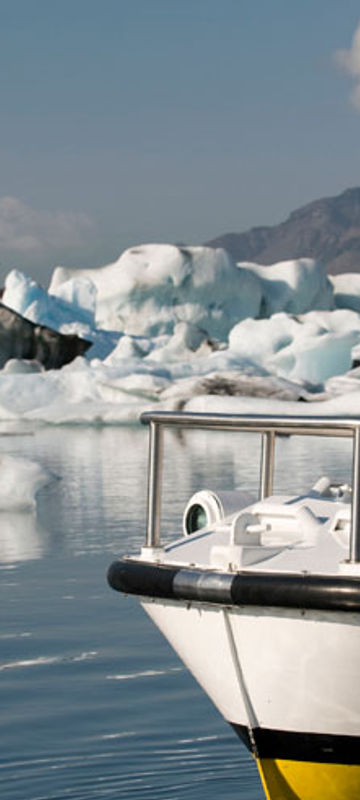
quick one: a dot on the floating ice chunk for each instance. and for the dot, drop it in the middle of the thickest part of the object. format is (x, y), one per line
(316, 358)
(337, 321)
(104, 342)
(306, 348)
(21, 292)
(20, 480)
(347, 290)
(139, 384)
(129, 347)
(153, 287)
(293, 286)
(25, 296)
(257, 341)
(19, 394)
(322, 347)
(81, 393)
(342, 384)
(185, 344)
(80, 293)
(22, 366)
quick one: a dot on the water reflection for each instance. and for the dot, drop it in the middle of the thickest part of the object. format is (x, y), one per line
(22, 537)
(100, 502)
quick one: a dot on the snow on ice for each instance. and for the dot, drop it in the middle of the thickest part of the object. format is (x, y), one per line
(186, 327)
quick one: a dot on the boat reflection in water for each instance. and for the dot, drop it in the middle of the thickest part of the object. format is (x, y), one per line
(260, 598)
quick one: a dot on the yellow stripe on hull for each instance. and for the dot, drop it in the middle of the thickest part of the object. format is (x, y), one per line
(304, 780)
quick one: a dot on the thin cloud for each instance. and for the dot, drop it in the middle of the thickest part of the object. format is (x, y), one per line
(349, 61)
(27, 230)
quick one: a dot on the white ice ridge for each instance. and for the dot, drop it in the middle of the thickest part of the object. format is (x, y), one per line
(153, 287)
(20, 480)
(175, 325)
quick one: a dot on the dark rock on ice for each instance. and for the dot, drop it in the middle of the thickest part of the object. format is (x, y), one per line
(237, 384)
(20, 338)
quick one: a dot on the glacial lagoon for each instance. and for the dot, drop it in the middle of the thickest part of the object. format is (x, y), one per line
(94, 703)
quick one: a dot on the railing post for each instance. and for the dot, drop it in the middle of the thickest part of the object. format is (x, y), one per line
(355, 508)
(153, 534)
(267, 464)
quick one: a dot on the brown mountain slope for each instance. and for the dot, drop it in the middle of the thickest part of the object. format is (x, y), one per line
(326, 229)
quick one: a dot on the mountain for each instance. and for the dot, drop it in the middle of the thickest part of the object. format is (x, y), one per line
(326, 229)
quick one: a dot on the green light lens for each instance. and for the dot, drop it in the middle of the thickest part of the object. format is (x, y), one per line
(196, 518)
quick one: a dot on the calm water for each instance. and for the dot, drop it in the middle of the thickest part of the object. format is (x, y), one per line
(94, 703)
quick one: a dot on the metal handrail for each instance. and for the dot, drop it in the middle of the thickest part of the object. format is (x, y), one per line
(267, 425)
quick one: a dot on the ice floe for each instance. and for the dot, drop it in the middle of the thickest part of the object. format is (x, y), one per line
(177, 327)
(20, 480)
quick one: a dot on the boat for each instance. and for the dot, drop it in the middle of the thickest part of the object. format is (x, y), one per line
(260, 598)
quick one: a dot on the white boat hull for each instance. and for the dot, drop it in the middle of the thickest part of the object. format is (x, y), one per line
(286, 680)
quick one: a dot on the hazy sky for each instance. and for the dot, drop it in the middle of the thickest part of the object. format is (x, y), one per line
(127, 121)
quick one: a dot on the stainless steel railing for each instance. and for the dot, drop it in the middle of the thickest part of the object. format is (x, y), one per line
(268, 427)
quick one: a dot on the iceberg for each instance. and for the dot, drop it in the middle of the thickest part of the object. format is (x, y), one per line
(153, 287)
(176, 327)
(295, 286)
(73, 307)
(70, 310)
